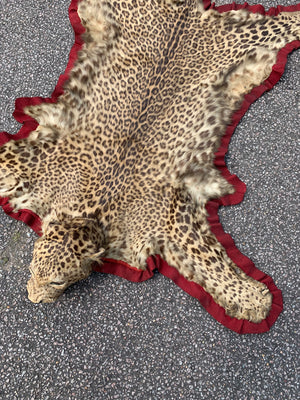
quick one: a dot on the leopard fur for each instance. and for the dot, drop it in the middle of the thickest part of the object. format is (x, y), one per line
(122, 164)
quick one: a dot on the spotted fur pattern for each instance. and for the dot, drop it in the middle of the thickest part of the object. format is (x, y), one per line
(123, 164)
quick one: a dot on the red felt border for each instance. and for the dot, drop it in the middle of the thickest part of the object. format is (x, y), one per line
(124, 270)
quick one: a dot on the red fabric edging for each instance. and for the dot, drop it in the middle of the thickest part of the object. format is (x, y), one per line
(124, 270)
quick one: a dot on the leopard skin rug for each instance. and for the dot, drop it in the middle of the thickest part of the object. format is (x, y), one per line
(122, 170)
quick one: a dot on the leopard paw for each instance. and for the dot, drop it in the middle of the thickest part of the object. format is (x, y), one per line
(252, 303)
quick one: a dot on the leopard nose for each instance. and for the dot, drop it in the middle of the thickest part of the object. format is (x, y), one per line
(34, 294)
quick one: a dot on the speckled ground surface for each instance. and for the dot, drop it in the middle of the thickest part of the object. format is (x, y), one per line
(107, 338)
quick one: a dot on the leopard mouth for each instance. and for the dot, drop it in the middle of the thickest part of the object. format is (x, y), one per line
(44, 294)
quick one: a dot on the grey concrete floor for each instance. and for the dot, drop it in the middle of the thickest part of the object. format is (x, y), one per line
(107, 338)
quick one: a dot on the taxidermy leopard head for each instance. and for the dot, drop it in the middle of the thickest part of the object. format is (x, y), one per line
(62, 256)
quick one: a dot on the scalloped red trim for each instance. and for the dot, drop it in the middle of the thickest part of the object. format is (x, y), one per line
(121, 268)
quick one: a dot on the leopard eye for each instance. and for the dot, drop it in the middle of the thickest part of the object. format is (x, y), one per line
(57, 283)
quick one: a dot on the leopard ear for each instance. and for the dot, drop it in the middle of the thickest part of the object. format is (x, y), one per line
(74, 221)
(63, 217)
(49, 220)
(95, 256)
